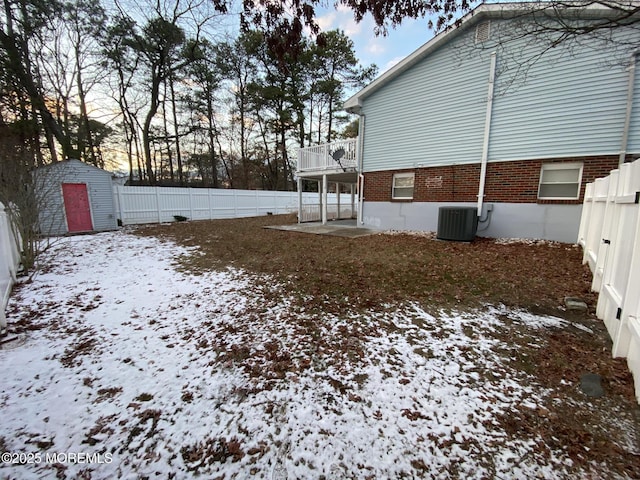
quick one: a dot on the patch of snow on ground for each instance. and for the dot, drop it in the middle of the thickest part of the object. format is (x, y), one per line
(168, 375)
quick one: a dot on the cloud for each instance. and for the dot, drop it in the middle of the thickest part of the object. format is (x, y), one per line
(326, 22)
(340, 18)
(375, 48)
(391, 63)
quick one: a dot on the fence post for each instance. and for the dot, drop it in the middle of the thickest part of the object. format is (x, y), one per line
(209, 200)
(120, 203)
(9, 275)
(607, 232)
(191, 203)
(158, 204)
(235, 203)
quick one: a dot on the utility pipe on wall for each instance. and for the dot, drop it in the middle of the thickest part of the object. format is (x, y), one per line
(627, 119)
(360, 163)
(487, 130)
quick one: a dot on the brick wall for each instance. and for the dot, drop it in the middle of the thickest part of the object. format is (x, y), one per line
(506, 182)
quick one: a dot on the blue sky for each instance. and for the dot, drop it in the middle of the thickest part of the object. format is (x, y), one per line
(383, 51)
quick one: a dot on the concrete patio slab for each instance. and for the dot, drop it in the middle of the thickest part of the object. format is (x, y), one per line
(340, 228)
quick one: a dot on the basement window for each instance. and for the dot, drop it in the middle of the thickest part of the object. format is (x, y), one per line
(402, 186)
(560, 181)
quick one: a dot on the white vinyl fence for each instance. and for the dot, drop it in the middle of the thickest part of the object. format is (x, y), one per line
(9, 261)
(136, 205)
(610, 236)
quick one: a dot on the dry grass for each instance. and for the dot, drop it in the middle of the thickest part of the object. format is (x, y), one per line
(334, 273)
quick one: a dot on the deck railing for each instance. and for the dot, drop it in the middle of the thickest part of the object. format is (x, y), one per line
(335, 156)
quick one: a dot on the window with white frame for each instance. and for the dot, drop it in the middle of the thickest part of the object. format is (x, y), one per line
(560, 181)
(402, 186)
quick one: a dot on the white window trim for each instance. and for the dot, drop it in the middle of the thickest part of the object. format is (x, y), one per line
(561, 166)
(393, 185)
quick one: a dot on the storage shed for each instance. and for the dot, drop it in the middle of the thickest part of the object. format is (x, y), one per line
(74, 197)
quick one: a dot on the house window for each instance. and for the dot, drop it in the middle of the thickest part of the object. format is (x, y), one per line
(560, 181)
(402, 186)
(483, 30)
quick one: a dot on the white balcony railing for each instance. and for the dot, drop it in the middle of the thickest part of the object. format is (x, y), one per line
(335, 156)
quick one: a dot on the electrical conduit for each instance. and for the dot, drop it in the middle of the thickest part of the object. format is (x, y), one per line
(487, 130)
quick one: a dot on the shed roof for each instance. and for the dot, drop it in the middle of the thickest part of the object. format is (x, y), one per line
(73, 161)
(490, 11)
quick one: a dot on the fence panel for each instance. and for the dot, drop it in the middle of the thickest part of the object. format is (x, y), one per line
(138, 205)
(598, 203)
(9, 262)
(610, 236)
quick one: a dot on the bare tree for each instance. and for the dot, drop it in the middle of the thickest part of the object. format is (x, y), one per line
(525, 34)
(25, 195)
(22, 22)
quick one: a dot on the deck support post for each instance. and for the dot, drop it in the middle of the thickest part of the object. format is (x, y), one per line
(319, 202)
(299, 200)
(353, 199)
(338, 200)
(325, 187)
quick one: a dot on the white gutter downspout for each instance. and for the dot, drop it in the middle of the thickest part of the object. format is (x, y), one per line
(360, 164)
(487, 130)
(627, 119)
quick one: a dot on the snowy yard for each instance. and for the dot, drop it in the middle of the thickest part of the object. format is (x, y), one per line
(132, 368)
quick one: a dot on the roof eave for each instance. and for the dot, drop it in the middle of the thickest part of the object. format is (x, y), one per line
(493, 10)
(355, 102)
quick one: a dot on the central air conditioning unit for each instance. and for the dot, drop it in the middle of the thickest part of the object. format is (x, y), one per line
(457, 223)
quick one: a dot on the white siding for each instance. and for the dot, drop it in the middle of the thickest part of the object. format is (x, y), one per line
(414, 119)
(564, 105)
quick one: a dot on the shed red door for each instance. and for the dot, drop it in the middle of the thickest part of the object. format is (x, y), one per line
(76, 206)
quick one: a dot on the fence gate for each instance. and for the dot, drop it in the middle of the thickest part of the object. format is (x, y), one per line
(610, 236)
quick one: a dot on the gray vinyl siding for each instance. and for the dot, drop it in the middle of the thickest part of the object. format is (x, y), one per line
(564, 106)
(52, 217)
(413, 120)
(99, 189)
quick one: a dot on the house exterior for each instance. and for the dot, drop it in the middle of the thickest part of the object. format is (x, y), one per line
(74, 197)
(479, 117)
